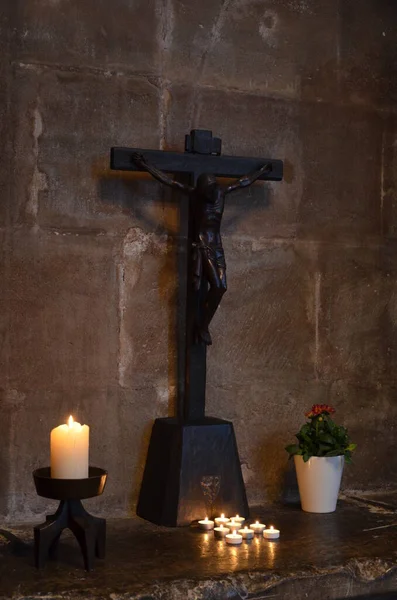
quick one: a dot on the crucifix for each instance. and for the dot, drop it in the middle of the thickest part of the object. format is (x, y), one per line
(193, 458)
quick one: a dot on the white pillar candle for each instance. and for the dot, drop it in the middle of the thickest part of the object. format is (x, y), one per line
(234, 538)
(221, 531)
(69, 451)
(258, 527)
(206, 524)
(247, 534)
(233, 525)
(222, 520)
(272, 533)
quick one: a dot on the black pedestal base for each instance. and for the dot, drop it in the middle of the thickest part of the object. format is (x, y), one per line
(180, 461)
(90, 533)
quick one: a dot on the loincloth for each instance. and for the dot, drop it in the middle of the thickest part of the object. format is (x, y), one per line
(214, 253)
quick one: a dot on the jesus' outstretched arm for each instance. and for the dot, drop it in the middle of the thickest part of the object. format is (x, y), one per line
(248, 179)
(140, 160)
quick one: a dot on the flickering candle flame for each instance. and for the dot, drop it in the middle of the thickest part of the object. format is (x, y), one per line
(222, 516)
(70, 421)
(271, 528)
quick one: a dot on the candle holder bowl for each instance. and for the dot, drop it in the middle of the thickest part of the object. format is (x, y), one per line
(89, 531)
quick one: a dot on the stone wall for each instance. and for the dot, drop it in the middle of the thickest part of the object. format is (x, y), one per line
(87, 255)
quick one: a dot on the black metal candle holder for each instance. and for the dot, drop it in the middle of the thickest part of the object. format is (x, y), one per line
(89, 531)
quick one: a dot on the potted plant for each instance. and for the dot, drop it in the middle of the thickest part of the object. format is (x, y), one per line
(322, 449)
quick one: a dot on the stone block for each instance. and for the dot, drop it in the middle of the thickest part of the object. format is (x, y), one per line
(368, 410)
(120, 36)
(389, 178)
(65, 125)
(357, 314)
(5, 129)
(367, 53)
(147, 312)
(284, 48)
(62, 311)
(266, 322)
(341, 154)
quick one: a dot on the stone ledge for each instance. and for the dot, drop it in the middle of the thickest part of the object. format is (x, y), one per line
(349, 554)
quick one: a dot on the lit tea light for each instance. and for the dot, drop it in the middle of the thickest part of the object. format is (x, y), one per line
(206, 524)
(222, 520)
(233, 525)
(221, 531)
(239, 519)
(258, 527)
(271, 533)
(234, 538)
(246, 533)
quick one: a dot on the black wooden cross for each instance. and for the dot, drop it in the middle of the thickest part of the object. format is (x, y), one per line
(202, 155)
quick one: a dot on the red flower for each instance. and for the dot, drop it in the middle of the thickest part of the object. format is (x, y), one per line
(319, 409)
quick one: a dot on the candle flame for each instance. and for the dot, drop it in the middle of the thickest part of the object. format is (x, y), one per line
(237, 517)
(271, 527)
(206, 519)
(256, 522)
(222, 516)
(245, 528)
(221, 526)
(70, 421)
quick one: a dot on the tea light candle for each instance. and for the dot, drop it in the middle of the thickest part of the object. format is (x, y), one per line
(233, 525)
(272, 533)
(69, 451)
(222, 520)
(258, 527)
(246, 534)
(206, 524)
(234, 538)
(239, 519)
(221, 531)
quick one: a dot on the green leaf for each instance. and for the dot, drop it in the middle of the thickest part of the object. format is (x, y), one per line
(351, 447)
(336, 452)
(292, 449)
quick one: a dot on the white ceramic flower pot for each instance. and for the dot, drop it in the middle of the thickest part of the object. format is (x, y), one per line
(319, 482)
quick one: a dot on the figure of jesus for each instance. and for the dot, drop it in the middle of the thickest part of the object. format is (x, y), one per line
(209, 263)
